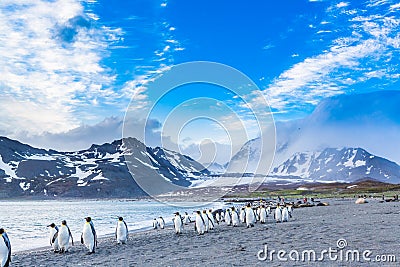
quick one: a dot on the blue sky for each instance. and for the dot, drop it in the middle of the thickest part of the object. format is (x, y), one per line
(69, 68)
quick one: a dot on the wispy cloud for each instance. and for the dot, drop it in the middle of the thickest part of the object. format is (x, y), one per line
(364, 50)
(50, 62)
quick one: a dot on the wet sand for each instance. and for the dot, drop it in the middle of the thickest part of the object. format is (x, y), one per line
(373, 226)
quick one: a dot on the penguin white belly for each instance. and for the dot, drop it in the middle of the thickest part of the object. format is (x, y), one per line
(88, 237)
(227, 218)
(54, 241)
(250, 218)
(3, 251)
(263, 215)
(199, 224)
(178, 224)
(278, 215)
(235, 219)
(285, 215)
(63, 238)
(121, 233)
(242, 216)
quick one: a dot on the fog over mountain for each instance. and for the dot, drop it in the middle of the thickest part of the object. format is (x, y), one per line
(370, 121)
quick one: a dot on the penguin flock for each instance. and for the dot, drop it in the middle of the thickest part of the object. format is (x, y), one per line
(249, 214)
(60, 237)
(204, 220)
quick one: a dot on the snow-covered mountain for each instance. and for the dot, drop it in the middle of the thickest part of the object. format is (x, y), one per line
(346, 165)
(215, 168)
(368, 120)
(247, 159)
(99, 171)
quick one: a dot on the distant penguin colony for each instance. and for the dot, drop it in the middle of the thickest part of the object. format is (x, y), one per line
(204, 221)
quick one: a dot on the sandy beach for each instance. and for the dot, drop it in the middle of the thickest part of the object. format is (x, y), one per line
(373, 226)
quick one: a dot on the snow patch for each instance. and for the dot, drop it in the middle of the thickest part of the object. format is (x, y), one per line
(24, 185)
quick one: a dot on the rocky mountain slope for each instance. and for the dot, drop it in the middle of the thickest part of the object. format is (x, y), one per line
(99, 171)
(344, 165)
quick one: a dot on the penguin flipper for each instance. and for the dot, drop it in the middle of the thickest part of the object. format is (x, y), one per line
(94, 234)
(82, 238)
(8, 244)
(127, 232)
(70, 234)
(54, 238)
(208, 217)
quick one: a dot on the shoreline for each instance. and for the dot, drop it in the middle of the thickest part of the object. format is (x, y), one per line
(314, 228)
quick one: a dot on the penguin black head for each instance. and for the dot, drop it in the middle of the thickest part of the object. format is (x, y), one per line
(1, 231)
(52, 225)
(176, 213)
(248, 205)
(64, 222)
(198, 212)
(120, 219)
(88, 219)
(233, 208)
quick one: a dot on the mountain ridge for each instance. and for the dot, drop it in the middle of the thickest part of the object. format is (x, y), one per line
(99, 171)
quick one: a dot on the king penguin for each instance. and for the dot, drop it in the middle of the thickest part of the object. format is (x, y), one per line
(186, 218)
(278, 214)
(54, 237)
(235, 217)
(89, 237)
(211, 219)
(250, 216)
(178, 223)
(290, 210)
(242, 215)
(155, 224)
(228, 217)
(263, 214)
(63, 237)
(121, 232)
(161, 222)
(285, 214)
(200, 224)
(206, 221)
(5, 249)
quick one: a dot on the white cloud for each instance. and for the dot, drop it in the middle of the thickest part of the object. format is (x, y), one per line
(395, 6)
(83, 136)
(364, 49)
(342, 4)
(50, 62)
